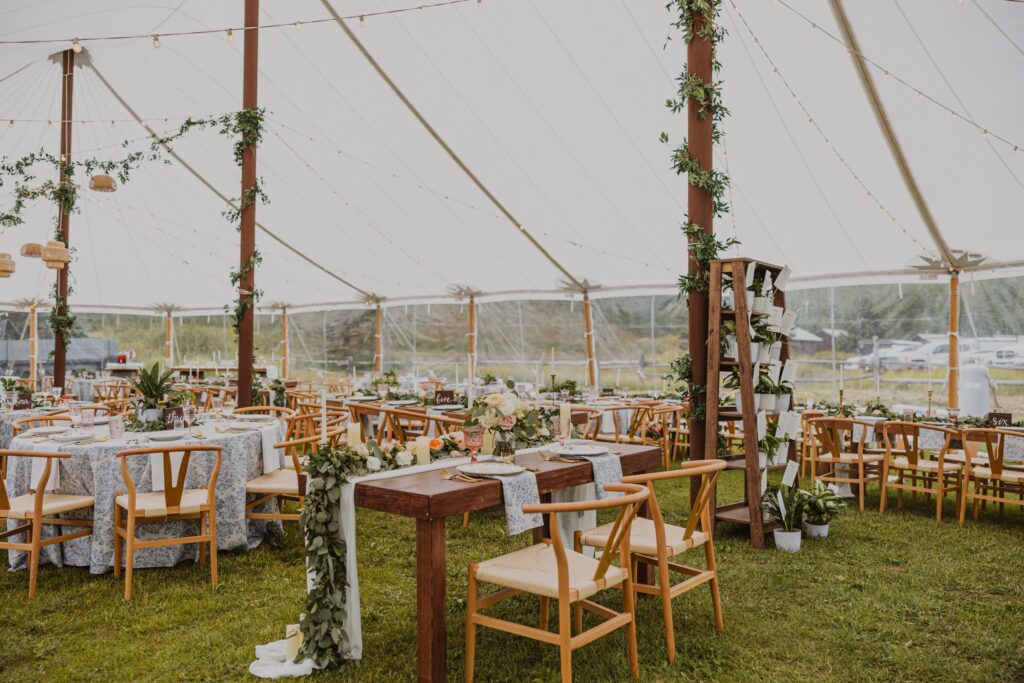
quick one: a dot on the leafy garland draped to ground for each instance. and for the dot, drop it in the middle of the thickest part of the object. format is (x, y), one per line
(698, 18)
(62, 190)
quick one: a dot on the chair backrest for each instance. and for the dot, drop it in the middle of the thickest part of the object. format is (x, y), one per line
(294, 396)
(618, 540)
(33, 421)
(995, 445)
(700, 511)
(280, 413)
(99, 408)
(173, 488)
(296, 448)
(904, 439)
(831, 430)
(302, 426)
(5, 501)
(805, 417)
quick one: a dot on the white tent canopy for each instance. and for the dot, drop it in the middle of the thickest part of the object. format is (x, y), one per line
(555, 106)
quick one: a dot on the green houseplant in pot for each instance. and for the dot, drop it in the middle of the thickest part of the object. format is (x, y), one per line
(821, 506)
(785, 504)
(153, 385)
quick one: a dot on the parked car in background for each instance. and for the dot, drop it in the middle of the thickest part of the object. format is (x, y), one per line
(934, 354)
(887, 357)
(1008, 357)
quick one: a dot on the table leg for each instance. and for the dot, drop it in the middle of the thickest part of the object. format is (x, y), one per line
(431, 662)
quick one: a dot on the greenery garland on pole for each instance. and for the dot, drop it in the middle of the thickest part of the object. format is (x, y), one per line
(698, 18)
(246, 126)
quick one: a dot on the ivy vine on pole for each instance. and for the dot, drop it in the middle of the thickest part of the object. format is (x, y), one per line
(698, 18)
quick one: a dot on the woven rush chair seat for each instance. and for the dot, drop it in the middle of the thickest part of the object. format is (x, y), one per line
(53, 504)
(534, 570)
(851, 458)
(153, 504)
(643, 537)
(924, 465)
(1009, 476)
(283, 482)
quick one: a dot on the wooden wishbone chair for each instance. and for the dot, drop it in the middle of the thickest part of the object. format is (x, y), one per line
(301, 426)
(550, 570)
(172, 504)
(295, 396)
(36, 509)
(654, 542)
(33, 421)
(904, 455)
(838, 448)
(994, 483)
(285, 483)
(808, 440)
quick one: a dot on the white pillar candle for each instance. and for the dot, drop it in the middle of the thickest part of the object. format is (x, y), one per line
(323, 416)
(488, 447)
(354, 433)
(422, 450)
(565, 417)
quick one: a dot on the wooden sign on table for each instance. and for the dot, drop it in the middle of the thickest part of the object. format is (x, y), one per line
(608, 392)
(23, 402)
(444, 397)
(1000, 420)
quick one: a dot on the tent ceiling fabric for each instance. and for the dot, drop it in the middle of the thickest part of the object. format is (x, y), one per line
(556, 106)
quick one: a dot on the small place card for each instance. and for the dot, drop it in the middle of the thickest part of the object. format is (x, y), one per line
(789, 423)
(444, 397)
(609, 391)
(781, 502)
(774, 370)
(788, 372)
(788, 322)
(782, 279)
(762, 425)
(789, 476)
(751, 268)
(775, 318)
(766, 285)
(1000, 419)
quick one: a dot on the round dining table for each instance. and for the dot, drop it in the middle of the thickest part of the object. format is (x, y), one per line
(94, 469)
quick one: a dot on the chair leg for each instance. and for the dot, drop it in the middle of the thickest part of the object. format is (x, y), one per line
(716, 597)
(470, 626)
(129, 556)
(202, 544)
(465, 520)
(33, 557)
(665, 587)
(212, 514)
(885, 490)
(938, 497)
(862, 484)
(629, 603)
(964, 495)
(117, 541)
(564, 640)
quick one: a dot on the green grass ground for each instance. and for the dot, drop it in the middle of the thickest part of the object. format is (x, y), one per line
(895, 598)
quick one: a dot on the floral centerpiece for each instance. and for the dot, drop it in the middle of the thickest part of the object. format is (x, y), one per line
(513, 422)
(155, 397)
(388, 378)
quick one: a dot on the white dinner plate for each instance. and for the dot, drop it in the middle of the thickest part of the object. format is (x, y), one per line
(579, 449)
(457, 406)
(166, 435)
(72, 435)
(501, 469)
(43, 431)
(408, 402)
(242, 426)
(255, 417)
(363, 398)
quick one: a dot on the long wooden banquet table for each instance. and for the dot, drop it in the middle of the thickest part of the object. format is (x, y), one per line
(429, 499)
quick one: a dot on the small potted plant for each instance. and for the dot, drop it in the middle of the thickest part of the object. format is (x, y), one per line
(785, 504)
(764, 393)
(821, 506)
(153, 386)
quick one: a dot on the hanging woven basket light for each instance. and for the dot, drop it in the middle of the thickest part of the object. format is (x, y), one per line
(55, 254)
(32, 250)
(102, 183)
(6, 265)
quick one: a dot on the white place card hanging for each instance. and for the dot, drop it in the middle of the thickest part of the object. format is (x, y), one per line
(764, 480)
(788, 322)
(766, 285)
(782, 504)
(751, 268)
(775, 318)
(782, 279)
(787, 427)
(776, 351)
(788, 372)
(762, 425)
(789, 476)
(774, 371)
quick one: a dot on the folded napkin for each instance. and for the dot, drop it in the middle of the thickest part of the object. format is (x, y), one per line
(519, 490)
(272, 662)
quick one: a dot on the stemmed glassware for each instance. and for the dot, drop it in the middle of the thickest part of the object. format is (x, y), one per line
(75, 413)
(474, 440)
(566, 395)
(383, 390)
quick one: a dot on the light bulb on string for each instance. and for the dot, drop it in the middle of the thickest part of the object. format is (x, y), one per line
(984, 135)
(49, 124)
(231, 35)
(362, 21)
(156, 41)
(76, 46)
(423, 9)
(298, 25)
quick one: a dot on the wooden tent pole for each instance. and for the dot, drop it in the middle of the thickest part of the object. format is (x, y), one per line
(169, 339)
(699, 58)
(33, 346)
(471, 370)
(588, 336)
(247, 284)
(284, 341)
(67, 61)
(954, 340)
(378, 342)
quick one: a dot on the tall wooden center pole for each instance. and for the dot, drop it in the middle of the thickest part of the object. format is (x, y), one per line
(954, 340)
(588, 332)
(471, 370)
(67, 63)
(378, 342)
(33, 346)
(247, 285)
(169, 339)
(699, 55)
(284, 341)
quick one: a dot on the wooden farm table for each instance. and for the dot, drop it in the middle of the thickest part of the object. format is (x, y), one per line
(429, 499)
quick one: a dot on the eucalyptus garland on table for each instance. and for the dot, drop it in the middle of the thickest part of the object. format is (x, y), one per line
(698, 19)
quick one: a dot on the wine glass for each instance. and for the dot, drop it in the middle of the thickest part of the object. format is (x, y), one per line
(179, 423)
(88, 417)
(55, 392)
(187, 413)
(474, 440)
(218, 404)
(566, 395)
(383, 390)
(75, 413)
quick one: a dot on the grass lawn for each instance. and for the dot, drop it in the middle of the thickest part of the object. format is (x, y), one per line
(889, 598)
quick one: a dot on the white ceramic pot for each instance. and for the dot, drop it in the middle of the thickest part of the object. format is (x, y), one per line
(782, 402)
(733, 350)
(762, 460)
(764, 401)
(787, 541)
(815, 530)
(755, 349)
(764, 353)
(151, 414)
(776, 351)
(781, 455)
